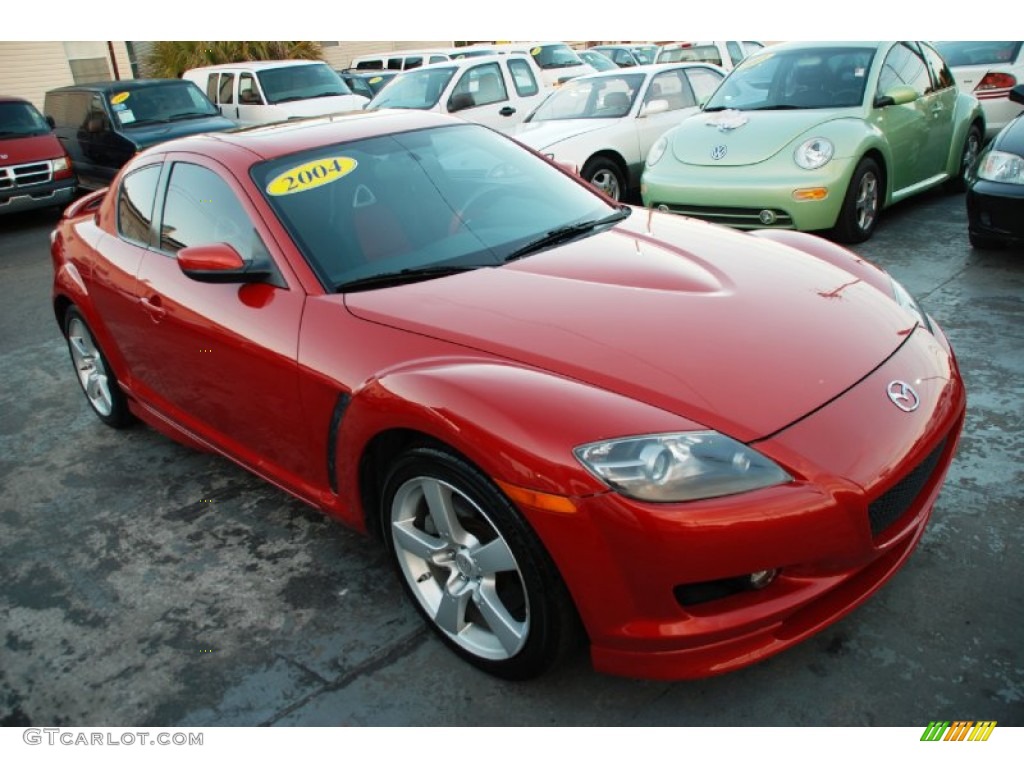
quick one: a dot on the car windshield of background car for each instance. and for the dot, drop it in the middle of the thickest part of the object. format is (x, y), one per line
(592, 97)
(18, 118)
(160, 104)
(448, 198)
(555, 56)
(706, 53)
(303, 81)
(418, 89)
(810, 78)
(978, 52)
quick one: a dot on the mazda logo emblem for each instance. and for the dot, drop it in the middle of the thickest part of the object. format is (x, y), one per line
(903, 396)
(718, 151)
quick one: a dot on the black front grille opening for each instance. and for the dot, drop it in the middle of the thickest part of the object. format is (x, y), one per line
(894, 503)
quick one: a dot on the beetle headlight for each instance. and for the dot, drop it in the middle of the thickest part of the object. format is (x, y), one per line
(1002, 166)
(908, 302)
(679, 467)
(813, 153)
(657, 151)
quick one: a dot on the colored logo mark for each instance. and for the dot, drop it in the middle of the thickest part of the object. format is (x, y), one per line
(958, 730)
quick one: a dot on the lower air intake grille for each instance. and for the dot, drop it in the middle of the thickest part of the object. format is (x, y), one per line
(891, 505)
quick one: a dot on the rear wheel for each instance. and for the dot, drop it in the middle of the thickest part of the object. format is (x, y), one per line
(473, 567)
(862, 204)
(968, 155)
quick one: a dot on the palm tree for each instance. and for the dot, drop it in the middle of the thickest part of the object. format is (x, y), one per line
(170, 58)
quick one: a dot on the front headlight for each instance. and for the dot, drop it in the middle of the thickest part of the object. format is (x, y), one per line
(60, 164)
(813, 153)
(1001, 166)
(908, 302)
(657, 151)
(679, 467)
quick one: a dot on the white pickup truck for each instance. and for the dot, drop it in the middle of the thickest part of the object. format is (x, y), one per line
(497, 91)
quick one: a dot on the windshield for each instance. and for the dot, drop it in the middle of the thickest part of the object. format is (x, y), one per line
(164, 103)
(591, 97)
(420, 203)
(978, 52)
(645, 54)
(805, 78)
(705, 53)
(416, 89)
(19, 118)
(598, 61)
(302, 81)
(555, 56)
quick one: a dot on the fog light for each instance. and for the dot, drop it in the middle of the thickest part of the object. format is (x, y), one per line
(767, 217)
(663, 208)
(761, 579)
(814, 193)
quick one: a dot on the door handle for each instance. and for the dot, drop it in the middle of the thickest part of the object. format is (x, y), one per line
(154, 307)
(507, 111)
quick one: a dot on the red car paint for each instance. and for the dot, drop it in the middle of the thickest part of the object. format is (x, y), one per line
(783, 341)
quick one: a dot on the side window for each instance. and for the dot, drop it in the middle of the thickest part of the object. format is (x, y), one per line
(735, 51)
(248, 90)
(211, 87)
(941, 76)
(522, 77)
(200, 209)
(623, 58)
(135, 203)
(227, 87)
(438, 59)
(704, 82)
(411, 62)
(394, 63)
(672, 87)
(96, 119)
(483, 84)
(904, 67)
(370, 64)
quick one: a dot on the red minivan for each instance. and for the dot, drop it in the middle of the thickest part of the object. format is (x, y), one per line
(35, 172)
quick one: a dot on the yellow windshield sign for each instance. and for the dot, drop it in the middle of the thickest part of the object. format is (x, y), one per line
(375, 80)
(310, 175)
(121, 97)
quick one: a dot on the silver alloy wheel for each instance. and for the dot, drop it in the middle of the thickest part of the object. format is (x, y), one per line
(92, 373)
(460, 568)
(867, 201)
(607, 182)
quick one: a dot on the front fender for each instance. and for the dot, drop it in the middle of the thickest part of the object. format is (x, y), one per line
(967, 112)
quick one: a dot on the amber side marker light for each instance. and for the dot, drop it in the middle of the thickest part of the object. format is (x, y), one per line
(538, 500)
(814, 193)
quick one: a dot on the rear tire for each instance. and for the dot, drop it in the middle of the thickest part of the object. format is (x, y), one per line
(968, 156)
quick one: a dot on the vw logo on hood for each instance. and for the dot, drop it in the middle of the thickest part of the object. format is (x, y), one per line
(718, 151)
(903, 396)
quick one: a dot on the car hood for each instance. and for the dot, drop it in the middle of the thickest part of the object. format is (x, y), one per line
(28, 149)
(325, 105)
(147, 135)
(544, 134)
(737, 333)
(756, 136)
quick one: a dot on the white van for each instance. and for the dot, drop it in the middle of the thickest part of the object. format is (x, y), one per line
(256, 92)
(557, 62)
(496, 91)
(724, 53)
(398, 59)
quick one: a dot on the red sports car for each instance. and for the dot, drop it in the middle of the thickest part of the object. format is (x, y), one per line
(565, 417)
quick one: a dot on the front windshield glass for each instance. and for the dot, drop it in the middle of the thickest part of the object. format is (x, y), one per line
(804, 78)
(19, 118)
(448, 198)
(978, 52)
(591, 98)
(598, 61)
(164, 103)
(556, 56)
(302, 81)
(416, 89)
(645, 54)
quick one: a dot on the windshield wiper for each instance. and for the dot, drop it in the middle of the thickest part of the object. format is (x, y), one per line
(410, 275)
(778, 106)
(570, 232)
(180, 115)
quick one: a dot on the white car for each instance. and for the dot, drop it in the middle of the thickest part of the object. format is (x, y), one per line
(258, 92)
(497, 91)
(605, 124)
(988, 69)
(724, 53)
(558, 62)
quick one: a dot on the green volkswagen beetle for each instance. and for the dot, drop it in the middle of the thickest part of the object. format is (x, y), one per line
(818, 136)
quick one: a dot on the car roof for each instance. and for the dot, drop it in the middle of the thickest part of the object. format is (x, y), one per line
(107, 86)
(289, 136)
(652, 69)
(257, 65)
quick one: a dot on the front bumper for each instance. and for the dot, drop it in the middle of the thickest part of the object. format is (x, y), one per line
(866, 477)
(996, 210)
(737, 195)
(25, 198)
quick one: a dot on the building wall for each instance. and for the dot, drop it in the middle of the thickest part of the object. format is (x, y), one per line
(30, 69)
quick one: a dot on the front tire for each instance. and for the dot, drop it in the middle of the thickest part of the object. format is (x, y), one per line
(604, 174)
(473, 567)
(862, 204)
(97, 378)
